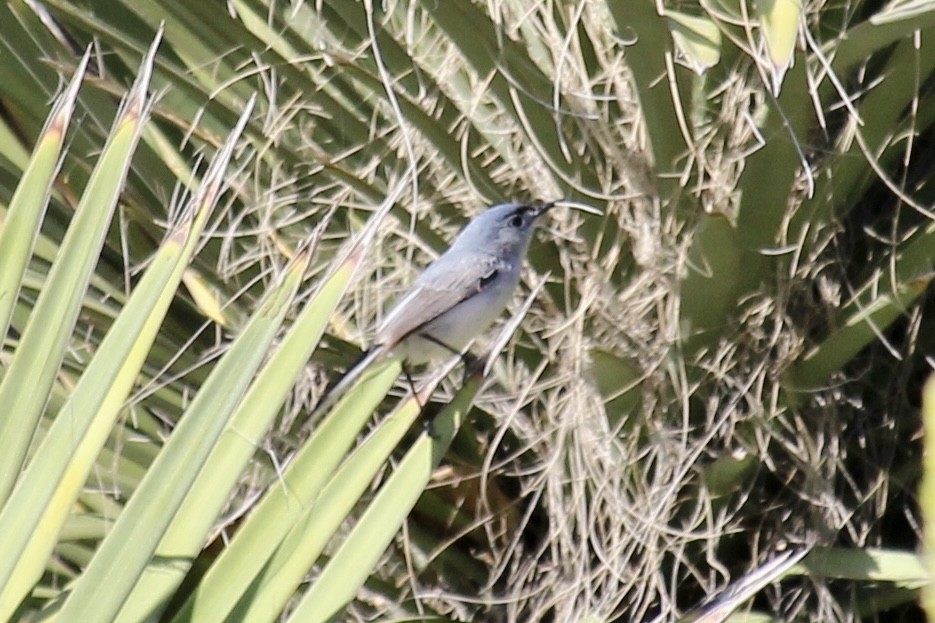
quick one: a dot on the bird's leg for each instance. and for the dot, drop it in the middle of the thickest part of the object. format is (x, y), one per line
(469, 360)
(412, 386)
(470, 365)
(426, 422)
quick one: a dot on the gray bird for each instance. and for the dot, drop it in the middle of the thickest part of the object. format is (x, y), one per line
(457, 297)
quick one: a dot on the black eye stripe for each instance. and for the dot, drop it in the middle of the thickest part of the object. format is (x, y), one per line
(518, 217)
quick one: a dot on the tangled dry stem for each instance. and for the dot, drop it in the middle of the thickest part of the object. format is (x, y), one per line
(631, 529)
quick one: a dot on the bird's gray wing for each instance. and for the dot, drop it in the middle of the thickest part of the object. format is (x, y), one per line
(444, 283)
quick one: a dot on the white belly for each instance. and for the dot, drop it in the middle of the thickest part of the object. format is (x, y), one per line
(461, 324)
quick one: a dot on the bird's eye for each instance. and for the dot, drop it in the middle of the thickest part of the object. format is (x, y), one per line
(516, 221)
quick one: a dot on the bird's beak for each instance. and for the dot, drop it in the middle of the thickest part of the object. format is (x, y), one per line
(574, 205)
(545, 207)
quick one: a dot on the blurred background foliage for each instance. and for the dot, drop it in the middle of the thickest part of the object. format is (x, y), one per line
(724, 367)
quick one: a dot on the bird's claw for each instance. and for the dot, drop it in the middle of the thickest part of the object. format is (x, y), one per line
(472, 364)
(428, 425)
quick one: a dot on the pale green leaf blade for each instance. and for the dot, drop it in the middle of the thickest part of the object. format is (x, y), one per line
(109, 579)
(25, 385)
(286, 500)
(779, 20)
(305, 542)
(42, 500)
(19, 230)
(927, 496)
(697, 37)
(351, 564)
(237, 444)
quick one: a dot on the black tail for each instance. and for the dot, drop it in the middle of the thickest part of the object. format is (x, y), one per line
(344, 382)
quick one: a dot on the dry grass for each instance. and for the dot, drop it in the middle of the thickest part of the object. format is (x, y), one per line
(574, 514)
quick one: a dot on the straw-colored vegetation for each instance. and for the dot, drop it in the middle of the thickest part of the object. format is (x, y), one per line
(205, 207)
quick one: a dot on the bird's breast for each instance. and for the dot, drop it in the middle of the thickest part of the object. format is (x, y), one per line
(463, 322)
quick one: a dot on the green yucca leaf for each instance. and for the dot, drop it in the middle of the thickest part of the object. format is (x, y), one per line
(519, 85)
(711, 286)
(927, 497)
(349, 567)
(881, 30)
(344, 573)
(867, 564)
(20, 228)
(45, 495)
(698, 37)
(885, 297)
(110, 578)
(304, 543)
(862, 324)
(185, 536)
(11, 148)
(779, 20)
(26, 384)
(285, 503)
(771, 171)
(650, 43)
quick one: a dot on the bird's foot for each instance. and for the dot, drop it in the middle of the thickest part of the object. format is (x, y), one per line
(472, 364)
(428, 425)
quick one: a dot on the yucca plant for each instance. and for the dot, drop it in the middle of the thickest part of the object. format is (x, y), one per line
(717, 376)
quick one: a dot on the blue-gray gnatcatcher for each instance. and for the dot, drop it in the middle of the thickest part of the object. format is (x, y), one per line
(458, 296)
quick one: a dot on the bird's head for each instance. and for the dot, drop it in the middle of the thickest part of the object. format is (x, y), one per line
(505, 227)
